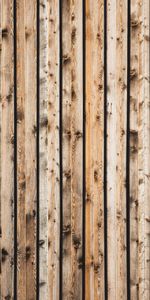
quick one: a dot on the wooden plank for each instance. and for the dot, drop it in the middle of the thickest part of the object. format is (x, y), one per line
(72, 148)
(116, 149)
(94, 252)
(0, 135)
(134, 140)
(140, 142)
(49, 150)
(7, 150)
(145, 56)
(53, 151)
(26, 148)
(43, 226)
(21, 215)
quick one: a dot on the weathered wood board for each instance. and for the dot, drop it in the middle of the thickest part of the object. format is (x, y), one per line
(74, 149)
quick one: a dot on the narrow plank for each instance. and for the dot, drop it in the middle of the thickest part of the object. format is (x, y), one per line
(0, 131)
(53, 151)
(26, 148)
(49, 150)
(145, 56)
(72, 148)
(21, 216)
(116, 148)
(140, 94)
(30, 143)
(43, 226)
(134, 144)
(94, 252)
(143, 152)
(7, 150)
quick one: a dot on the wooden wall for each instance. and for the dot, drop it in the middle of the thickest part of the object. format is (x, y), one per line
(75, 149)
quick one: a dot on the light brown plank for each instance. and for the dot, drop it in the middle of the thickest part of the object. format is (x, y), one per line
(116, 149)
(26, 148)
(140, 143)
(53, 151)
(49, 150)
(134, 151)
(43, 246)
(7, 150)
(72, 149)
(145, 57)
(94, 252)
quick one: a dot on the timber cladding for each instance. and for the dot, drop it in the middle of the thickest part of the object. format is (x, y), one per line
(75, 149)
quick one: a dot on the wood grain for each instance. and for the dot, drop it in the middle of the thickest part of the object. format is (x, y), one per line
(7, 151)
(116, 151)
(140, 146)
(134, 152)
(49, 150)
(72, 148)
(94, 252)
(67, 226)
(26, 148)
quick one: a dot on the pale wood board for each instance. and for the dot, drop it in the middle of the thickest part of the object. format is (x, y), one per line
(116, 147)
(134, 57)
(140, 143)
(7, 151)
(49, 150)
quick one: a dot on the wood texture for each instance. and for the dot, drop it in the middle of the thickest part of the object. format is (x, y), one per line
(26, 149)
(72, 148)
(63, 102)
(7, 150)
(49, 150)
(116, 150)
(140, 148)
(94, 251)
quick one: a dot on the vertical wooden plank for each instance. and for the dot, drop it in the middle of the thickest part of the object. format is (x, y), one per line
(0, 134)
(145, 56)
(134, 151)
(94, 252)
(53, 151)
(30, 143)
(144, 153)
(116, 153)
(49, 150)
(72, 148)
(43, 226)
(21, 214)
(7, 150)
(140, 115)
(26, 148)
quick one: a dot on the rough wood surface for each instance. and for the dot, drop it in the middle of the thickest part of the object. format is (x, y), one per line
(72, 149)
(116, 151)
(49, 150)
(140, 148)
(53, 151)
(134, 151)
(43, 226)
(7, 150)
(26, 148)
(67, 72)
(94, 251)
